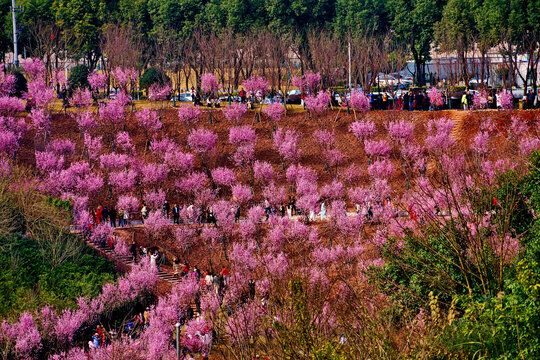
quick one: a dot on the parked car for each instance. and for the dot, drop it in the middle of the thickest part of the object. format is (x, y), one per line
(384, 80)
(185, 96)
(294, 97)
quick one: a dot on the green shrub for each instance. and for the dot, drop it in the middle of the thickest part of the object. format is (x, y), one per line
(78, 76)
(20, 83)
(152, 76)
(28, 281)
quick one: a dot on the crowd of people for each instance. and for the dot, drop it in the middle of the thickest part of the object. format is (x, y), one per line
(104, 214)
(410, 100)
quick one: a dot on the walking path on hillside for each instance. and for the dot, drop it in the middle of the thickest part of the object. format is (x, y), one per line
(126, 260)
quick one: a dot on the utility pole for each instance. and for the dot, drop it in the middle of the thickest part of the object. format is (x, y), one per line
(14, 10)
(350, 80)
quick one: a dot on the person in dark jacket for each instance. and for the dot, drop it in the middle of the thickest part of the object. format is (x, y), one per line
(112, 216)
(176, 214)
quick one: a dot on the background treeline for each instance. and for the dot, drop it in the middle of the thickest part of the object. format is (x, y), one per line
(184, 33)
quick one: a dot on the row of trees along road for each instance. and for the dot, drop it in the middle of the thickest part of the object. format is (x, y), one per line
(196, 36)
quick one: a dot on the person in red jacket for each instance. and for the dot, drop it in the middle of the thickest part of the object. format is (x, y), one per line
(225, 274)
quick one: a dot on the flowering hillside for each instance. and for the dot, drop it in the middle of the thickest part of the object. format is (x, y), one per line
(337, 231)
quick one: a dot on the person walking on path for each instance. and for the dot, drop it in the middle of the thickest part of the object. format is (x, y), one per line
(112, 216)
(133, 251)
(323, 211)
(144, 213)
(225, 274)
(176, 214)
(166, 209)
(176, 268)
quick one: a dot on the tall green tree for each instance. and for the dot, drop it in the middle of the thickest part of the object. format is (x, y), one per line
(353, 16)
(174, 17)
(413, 21)
(457, 31)
(84, 19)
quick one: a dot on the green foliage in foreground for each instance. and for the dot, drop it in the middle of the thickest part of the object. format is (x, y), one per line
(41, 262)
(495, 324)
(27, 280)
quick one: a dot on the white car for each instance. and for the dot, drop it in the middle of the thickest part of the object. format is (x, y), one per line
(386, 80)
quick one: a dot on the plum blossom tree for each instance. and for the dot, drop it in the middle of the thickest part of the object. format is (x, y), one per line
(209, 84)
(435, 97)
(41, 122)
(93, 146)
(97, 81)
(179, 161)
(154, 199)
(123, 143)
(153, 174)
(401, 131)
(244, 138)
(506, 100)
(192, 184)
(363, 129)
(202, 140)
(223, 176)
(113, 161)
(480, 99)
(324, 138)
(149, 121)
(8, 143)
(157, 92)
(319, 103)
(309, 82)
(86, 121)
(274, 111)
(128, 204)
(34, 68)
(360, 101)
(241, 194)
(7, 83)
(47, 161)
(377, 149)
(256, 86)
(263, 172)
(112, 113)
(286, 143)
(123, 181)
(242, 135)
(189, 116)
(439, 138)
(81, 98)
(64, 147)
(11, 105)
(156, 226)
(235, 112)
(124, 78)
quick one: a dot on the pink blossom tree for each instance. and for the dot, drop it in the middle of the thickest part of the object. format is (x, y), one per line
(435, 98)
(203, 142)
(506, 100)
(360, 101)
(189, 116)
(308, 83)
(274, 111)
(209, 85)
(363, 129)
(480, 99)
(257, 87)
(149, 121)
(286, 143)
(235, 112)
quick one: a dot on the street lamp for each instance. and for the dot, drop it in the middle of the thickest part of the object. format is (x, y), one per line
(177, 325)
(14, 10)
